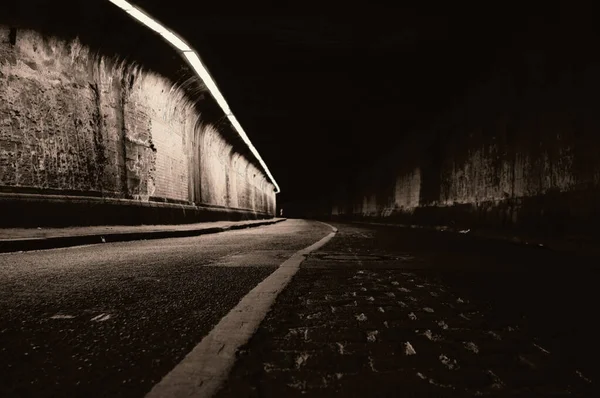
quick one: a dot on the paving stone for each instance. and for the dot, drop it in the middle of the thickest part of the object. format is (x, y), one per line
(352, 324)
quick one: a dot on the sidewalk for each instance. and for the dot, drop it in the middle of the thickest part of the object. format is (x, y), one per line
(21, 239)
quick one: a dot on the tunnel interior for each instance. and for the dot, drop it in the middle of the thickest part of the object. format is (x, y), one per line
(397, 199)
(408, 115)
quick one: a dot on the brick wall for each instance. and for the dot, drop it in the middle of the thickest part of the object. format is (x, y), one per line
(516, 153)
(75, 122)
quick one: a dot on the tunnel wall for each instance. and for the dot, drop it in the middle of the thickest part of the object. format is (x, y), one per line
(77, 124)
(518, 154)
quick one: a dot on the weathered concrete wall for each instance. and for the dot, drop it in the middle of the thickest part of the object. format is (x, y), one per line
(74, 122)
(519, 154)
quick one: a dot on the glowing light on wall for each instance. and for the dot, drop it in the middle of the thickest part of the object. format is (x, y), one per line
(196, 64)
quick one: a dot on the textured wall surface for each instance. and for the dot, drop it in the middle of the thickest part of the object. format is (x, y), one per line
(514, 154)
(74, 122)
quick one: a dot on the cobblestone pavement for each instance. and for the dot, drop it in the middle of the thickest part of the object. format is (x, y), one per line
(358, 322)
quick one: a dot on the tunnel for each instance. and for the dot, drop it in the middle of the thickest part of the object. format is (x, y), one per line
(208, 199)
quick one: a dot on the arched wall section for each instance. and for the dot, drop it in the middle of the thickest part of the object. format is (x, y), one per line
(79, 129)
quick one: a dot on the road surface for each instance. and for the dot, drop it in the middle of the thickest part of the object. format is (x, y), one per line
(375, 311)
(112, 319)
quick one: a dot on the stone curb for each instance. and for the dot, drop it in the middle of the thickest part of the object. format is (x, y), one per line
(27, 244)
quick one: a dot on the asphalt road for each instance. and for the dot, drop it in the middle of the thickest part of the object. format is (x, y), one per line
(112, 319)
(483, 317)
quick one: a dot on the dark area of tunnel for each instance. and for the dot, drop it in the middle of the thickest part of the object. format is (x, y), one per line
(325, 89)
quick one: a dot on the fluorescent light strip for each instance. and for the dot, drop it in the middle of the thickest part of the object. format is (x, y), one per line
(195, 62)
(200, 69)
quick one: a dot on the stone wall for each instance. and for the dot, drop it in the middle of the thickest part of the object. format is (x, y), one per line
(74, 122)
(518, 153)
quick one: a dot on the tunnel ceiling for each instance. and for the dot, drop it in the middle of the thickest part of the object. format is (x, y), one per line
(323, 88)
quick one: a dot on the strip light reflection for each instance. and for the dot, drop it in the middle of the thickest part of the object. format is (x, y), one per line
(195, 62)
